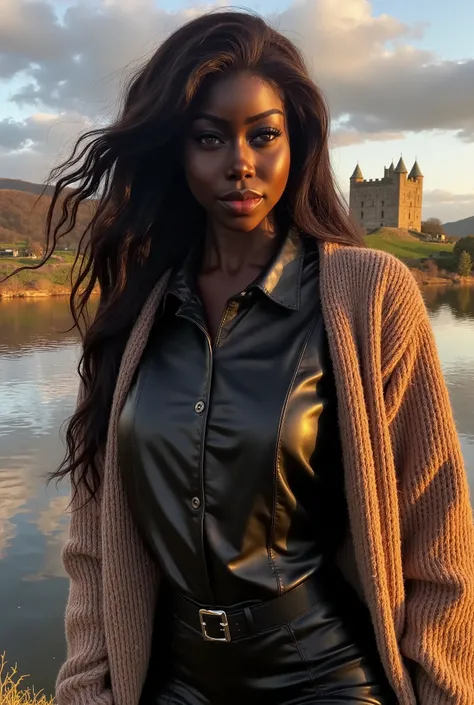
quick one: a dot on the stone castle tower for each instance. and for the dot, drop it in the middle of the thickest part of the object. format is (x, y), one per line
(394, 201)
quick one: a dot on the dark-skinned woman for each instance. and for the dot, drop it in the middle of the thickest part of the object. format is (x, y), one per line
(269, 501)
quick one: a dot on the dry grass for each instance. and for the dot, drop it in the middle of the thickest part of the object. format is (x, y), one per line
(10, 692)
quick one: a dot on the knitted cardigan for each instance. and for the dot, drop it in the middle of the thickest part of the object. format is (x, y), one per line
(410, 547)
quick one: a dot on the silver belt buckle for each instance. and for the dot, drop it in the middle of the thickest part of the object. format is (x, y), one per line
(223, 624)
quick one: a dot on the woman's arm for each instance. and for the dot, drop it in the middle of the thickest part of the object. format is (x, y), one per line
(83, 678)
(436, 522)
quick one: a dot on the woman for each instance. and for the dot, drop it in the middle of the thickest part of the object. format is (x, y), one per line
(270, 504)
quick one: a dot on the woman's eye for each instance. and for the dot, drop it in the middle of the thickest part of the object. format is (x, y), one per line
(208, 140)
(267, 135)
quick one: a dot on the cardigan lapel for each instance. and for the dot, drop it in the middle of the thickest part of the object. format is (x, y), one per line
(134, 592)
(371, 491)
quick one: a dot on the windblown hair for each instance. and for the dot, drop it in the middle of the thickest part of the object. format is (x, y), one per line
(140, 229)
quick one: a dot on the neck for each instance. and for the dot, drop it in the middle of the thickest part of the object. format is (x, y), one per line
(230, 252)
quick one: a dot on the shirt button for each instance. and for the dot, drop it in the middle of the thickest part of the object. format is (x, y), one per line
(196, 502)
(199, 407)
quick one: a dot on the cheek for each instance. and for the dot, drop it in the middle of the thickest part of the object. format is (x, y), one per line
(280, 169)
(198, 171)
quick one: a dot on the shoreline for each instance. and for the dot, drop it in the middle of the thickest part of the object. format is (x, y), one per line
(423, 280)
(33, 294)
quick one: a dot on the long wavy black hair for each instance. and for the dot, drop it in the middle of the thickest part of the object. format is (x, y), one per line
(139, 229)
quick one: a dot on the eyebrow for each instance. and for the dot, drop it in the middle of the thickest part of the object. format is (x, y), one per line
(248, 121)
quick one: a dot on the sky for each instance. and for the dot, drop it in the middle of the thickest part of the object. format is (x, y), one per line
(398, 76)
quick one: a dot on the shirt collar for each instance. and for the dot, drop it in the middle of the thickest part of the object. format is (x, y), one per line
(280, 281)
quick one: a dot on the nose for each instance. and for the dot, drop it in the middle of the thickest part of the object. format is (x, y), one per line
(241, 163)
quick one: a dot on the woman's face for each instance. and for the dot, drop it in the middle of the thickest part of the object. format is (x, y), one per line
(237, 152)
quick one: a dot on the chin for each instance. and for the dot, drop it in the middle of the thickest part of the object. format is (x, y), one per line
(243, 224)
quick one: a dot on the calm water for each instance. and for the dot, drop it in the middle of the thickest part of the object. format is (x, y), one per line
(37, 393)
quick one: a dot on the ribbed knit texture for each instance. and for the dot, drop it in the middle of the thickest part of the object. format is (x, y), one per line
(410, 550)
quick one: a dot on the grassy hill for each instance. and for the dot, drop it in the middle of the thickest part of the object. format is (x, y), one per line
(22, 218)
(403, 244)
(53, 278)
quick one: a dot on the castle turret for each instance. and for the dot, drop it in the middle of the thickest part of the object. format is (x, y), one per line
(415, 172)
(357, 174)
(401, 168)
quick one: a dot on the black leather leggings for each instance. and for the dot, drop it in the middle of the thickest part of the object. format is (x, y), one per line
(325, 656)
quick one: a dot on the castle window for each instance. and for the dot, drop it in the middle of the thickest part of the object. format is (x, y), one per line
(362, 204)
(409, 216)
(383, 203)
(362, 215)
(382, 213)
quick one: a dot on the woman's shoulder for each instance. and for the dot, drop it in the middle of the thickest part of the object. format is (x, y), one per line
(380, 272)
(377, 291)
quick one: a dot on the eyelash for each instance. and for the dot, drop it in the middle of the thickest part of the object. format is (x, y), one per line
(273, 131)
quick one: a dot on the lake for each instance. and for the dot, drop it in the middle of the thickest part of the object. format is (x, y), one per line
(37, 392)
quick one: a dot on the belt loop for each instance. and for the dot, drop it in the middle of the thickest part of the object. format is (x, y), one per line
(249, 617)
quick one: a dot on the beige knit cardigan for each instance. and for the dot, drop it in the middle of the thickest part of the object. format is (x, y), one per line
(410, 548)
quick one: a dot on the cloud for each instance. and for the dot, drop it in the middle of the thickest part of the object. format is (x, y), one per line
(30, 148)
(447, 206)
(346, 138)
(438, 196)
(378, 84)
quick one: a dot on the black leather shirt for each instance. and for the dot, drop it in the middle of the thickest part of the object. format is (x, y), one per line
(230, 453)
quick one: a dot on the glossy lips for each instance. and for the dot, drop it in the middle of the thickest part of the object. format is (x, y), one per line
(241, 202)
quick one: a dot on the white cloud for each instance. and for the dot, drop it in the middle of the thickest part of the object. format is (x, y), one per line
(345, 138)
(447, 206)
(30, 148)
(438, 196)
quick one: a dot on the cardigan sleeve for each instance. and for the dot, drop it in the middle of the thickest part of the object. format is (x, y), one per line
(437, 529)
(83, 678)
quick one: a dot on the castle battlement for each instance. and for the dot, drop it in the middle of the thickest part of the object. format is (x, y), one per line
(395, 200)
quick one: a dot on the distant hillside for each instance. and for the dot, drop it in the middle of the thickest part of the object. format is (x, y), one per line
(19, 185)
(460, 228)
(22, 218)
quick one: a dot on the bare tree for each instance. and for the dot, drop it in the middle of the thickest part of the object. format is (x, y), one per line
(432, 226)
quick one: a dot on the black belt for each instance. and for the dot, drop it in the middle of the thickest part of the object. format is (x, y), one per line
(230, 624)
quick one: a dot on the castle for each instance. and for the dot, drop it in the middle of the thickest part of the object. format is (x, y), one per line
(394, 201)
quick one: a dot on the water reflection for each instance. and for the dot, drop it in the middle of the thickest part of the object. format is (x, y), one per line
(38, 386)
(34, 324)
(459, 300)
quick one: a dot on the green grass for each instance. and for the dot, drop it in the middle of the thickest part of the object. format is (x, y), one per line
(406, 247)
(14, 245)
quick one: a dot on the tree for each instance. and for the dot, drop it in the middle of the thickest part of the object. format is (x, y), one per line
(37, 249)
(432, 226)
(465, 244)
(465, 264)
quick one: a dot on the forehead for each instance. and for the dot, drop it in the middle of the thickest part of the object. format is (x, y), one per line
(239, 96)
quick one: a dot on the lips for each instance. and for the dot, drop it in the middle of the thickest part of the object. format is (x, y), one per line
(241, 202)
